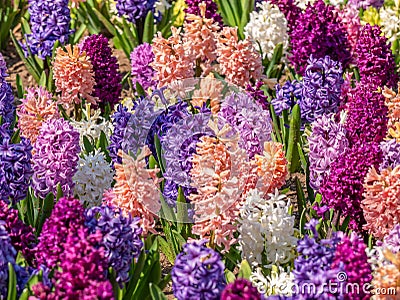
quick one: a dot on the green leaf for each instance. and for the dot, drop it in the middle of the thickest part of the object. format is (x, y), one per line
(148, 32)
(88, 145)
(166, 249)
(140, 90)
(15, 139)
(301, 200)
(47, 208)
(20, 87)
(181, 206)
(60, 192)
(294, 136)
(245, 270)
(12, 283)
(230, 277)
(43, 80)
(227, 12)
(156, 293)
(107, 24)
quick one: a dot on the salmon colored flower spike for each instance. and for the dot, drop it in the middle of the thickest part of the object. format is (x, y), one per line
(37, 107)
(74, 76)
(381, 201)
(392, 101)
(386, 277)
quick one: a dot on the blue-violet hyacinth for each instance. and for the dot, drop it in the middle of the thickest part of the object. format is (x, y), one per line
(7, 106)
(7, 255)
(198, 273)
(287, 96)
(3, 67)
(142, 72)
(134, 10)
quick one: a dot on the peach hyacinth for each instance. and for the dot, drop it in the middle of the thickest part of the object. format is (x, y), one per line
(392, 101)
(387, 277)
(74, 76)
(381, 201)
(37, 107)
(210, 89)
(136, 191)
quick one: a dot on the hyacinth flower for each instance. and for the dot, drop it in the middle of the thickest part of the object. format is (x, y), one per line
(198, 273)
(193, 7)
(108, 85)
(7, 255)
(318, 32)
(287, 96)
(49, 22)
(290, 9)
(7, 107)
(240, 289)
(141, 71)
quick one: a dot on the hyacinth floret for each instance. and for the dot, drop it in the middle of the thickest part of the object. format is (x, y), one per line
(7, 255)
(142, 72)
(287, 96)
(135, 10)
(240, 289)
(392, 240)
(193, 7)
(391, 154)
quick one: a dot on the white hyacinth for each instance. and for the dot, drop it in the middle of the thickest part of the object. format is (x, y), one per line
(266, 230)
(278, 282)
(390, 20)
(267, 28)
(303, 3)
(336, 2)
(93, 177)
(92, 126)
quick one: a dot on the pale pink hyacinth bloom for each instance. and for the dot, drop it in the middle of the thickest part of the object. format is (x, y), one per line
(351, 22)
(381, 201)
(74, 76)
(238, 60)
(136, 189)
(36, 108)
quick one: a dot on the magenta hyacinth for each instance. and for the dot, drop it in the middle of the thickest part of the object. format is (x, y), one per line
(56, 158)
(240, 289)
(318, 32)
(193, 7)
(105, 67)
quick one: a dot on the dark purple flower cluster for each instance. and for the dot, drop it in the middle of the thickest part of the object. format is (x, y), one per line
(313, 266)
(142, 72)
(198, 273)
(7, 255)
(287, 96)
(193, 7)
(240, 289)
(105, 67)
(49, 20)
(318, 32)
(374, 58)
(258, 94)
(21, 235)
(15, 168)
(121, 238)
(134, 10)
(350, 253)
(321, 89)
(3, 67)
(391, 154)
(289, 9)
(7, 106)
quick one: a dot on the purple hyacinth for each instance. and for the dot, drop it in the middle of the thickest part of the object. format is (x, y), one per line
(287, 96)
(105, 67)
(56, 158)
(392, 240)
(142, 72)
(318, 32)
(350, 253)
(49, 20)
(391, 154)
(198, 273)
(7, 107)
(374, 58)
(22, 236)
(193, 7)
(258, 94)
(3, 67)
(121, 238)
(15, 168)
(289, 9)
(240, 289)
(322, 87)
(313, 265)
(7, 255)
(254, 126)
(327, 141)
(364, 4)
(134, 10)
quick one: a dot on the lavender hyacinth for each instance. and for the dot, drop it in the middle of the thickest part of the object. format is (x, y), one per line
(252, 124)
(105, 67)
(198, 273)
(321, 90)
(326, 142)
(392, 240)
(7, 255)
(56, 158)
(193, 7)
(391, 154)
(142, 72)
(364, 4)
(15, 168)
(121, 237)
(49, 20)
(287, 96)
(134, 10)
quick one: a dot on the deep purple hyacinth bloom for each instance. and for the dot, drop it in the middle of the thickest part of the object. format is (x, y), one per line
(289, 9)
(142, 72)
(240, 289)
(258, 94)
(49, 20)
(3, 67)
(287, 96)
(56, 158)
(253, 124)
(193, 7)
(134, 10)
(391, 154)
(343, 188)
(121, 238)
(313, 266)
(374, 58)
(105, 67)
(198, 273)
(7, 255)
(318, 32)
(321, 89)
(350, 253)
(364, 4)
(327, 141)
(392, 240)
(15, 168)
(21, 235)
(66, 217)
(7, 106)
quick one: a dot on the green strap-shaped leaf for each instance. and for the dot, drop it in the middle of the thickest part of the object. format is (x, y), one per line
(292, 154)
(156, 293)
(148, 32)
(12, 283)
